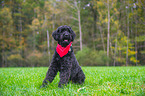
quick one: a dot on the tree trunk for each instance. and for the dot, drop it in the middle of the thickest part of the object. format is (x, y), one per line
(135, 40)
(136, 45)
(48, 45)
(136, 52)
(102, 37)
(33, 65)
(3, 51)
(94, 25)
(127, 38)
(20, 38)
(115, 50)
(79, 19)
(53, 26)
(95, 28)
(108, 35)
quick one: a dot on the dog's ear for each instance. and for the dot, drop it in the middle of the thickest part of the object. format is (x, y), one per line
(72, 33)
(55, 35)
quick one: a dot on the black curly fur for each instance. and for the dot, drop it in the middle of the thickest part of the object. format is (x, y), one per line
(67, 65)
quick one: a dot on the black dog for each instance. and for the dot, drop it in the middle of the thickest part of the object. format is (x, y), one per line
(64, 59)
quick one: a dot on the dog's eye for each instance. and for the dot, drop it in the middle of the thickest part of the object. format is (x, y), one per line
(68, 31)
(62, 30)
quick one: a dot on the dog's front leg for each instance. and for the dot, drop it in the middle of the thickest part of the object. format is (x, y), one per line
(51, 73)
(64, 75)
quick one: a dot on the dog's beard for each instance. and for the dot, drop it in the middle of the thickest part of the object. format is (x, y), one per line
(64, 42)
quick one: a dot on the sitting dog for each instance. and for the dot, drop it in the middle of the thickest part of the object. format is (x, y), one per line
(64, 59)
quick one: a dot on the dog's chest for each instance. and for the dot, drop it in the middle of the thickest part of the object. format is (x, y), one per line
(65, 61)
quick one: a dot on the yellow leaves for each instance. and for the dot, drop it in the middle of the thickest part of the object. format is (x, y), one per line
(113, 47)
(119, 48)
(6, 16)
(130, 52)
(116, 11)
(120, 59)
(116, 22)
(35, 22)
(15, 56)
(22, 42)
(140, 38)
(106, 20)
(130, 15)
(133, 59)
(139, 10)
(8, 43)
(5, 11)
(124, 39)
(47, 4)
(100, 3)
(37, 9)
(119, 32)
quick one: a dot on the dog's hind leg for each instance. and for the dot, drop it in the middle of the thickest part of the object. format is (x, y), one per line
(80, 77)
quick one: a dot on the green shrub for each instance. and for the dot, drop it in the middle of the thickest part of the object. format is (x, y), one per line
(33, 59)
(37, 59)
(88, 57)
(44, 60)
(15, 60)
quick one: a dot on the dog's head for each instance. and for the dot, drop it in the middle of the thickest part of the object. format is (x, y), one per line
(64, 35)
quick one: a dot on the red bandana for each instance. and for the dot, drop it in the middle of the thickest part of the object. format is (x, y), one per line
(63, 50)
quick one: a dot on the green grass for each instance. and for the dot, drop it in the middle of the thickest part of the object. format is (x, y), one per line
(109, 81)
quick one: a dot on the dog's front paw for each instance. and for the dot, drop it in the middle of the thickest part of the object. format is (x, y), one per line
(44, 84)
(61, 85)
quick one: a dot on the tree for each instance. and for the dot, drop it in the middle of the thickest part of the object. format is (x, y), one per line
(113, 27)
(6, 29)
(75, 5)
(108, 34)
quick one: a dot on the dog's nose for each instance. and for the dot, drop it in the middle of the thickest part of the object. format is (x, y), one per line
(66, 35)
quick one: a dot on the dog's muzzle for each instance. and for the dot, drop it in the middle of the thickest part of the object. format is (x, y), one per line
(66, 37)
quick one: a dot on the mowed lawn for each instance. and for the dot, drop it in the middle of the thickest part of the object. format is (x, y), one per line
(100, 81)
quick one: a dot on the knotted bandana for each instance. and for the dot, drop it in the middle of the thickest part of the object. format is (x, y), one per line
(62, 51)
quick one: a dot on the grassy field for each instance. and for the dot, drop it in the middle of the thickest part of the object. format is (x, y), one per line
(100, 81)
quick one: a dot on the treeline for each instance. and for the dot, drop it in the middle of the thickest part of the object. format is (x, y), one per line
(109, 32)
